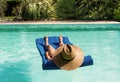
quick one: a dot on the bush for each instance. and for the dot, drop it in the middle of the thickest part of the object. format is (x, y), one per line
(38, 10)
(3, 8)
(117, 13)
(29, 12)
(86, 10)
(65, 9)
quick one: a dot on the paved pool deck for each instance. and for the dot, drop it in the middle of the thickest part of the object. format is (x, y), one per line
(61, 22)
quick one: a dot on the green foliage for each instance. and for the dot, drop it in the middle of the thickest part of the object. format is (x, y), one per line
(17, 10)
(64, 9)
(37, 10)
(3, 8)
(86, 9)
(30, 11)
(117, 13)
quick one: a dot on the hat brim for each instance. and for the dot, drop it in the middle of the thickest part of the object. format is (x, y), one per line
(68, 64)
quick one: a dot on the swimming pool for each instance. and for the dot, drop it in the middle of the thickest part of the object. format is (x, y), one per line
(20, 60)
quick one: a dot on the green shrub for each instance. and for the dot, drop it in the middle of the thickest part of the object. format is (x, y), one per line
(38, 10)
(30, 12)
(3, 8)
(65, 9)
(86, 10)
(117, 13)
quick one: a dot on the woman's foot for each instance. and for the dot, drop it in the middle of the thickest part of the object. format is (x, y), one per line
(46, 41)
(60, 40)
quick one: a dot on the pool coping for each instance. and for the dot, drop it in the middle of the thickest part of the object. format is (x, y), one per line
(61, 22)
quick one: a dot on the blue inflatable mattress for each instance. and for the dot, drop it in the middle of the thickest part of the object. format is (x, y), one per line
(54, 41)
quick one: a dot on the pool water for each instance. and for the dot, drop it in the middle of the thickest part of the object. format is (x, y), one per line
(20, 60)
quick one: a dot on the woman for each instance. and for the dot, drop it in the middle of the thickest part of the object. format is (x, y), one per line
(66, 56)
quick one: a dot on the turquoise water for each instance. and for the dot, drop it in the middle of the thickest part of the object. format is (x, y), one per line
(20, 60)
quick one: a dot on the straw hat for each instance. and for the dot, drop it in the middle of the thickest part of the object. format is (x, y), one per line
(68, 57)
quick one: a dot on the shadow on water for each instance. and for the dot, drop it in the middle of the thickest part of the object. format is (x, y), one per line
(59, 27)
(15, 72)
(56, 29)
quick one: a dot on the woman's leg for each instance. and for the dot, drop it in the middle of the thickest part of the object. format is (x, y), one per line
(61, 41)
(50, 52)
